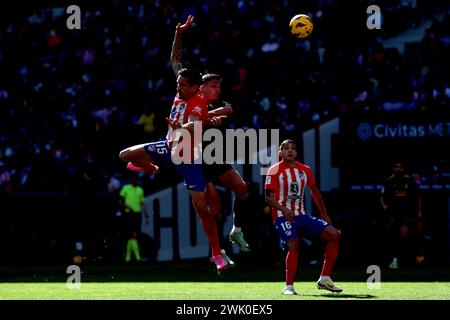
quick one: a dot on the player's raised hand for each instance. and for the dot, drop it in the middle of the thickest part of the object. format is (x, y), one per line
(216, 121)
(181, 27)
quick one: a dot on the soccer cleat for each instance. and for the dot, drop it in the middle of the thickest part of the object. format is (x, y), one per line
(238, 238)
(220, 262)
(329, 285)
(229, 262)
(394, 264)
(289, 290)
(149, 168)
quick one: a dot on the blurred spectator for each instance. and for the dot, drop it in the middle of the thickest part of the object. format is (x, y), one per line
(69, 96)
(146, 120)
(5, 179)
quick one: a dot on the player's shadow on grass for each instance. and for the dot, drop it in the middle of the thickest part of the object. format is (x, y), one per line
(342, 296)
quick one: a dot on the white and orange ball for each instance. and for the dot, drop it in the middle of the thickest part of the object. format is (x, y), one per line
(301, 26)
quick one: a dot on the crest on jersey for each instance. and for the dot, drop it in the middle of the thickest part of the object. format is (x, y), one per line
(197, 109)
(294, 187)
(268, 179)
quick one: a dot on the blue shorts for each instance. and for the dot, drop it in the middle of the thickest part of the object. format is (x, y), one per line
(192, 173)
(159, 152)
(303, 225)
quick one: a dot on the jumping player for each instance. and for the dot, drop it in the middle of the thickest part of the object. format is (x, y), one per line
(188, 106)
(224, 173)
(285, 189)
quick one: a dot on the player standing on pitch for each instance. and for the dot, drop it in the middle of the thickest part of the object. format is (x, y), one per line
(402, 205)
(285, 189)
(224, 173)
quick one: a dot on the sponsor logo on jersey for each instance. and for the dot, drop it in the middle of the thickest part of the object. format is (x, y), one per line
(294, 187)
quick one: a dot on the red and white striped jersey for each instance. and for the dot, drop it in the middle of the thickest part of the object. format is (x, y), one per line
(288, 185)
(182, 109)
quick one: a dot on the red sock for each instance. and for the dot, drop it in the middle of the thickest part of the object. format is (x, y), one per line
(291, 266)
(330, 255)
(209, 226)
(142, 166)
(212, 205)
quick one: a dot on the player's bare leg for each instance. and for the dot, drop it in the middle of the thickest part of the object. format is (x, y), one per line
(332, 236)
(138, 159)
(233, 180)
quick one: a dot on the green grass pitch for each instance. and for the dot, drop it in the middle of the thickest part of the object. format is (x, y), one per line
(199, 282)
(219, 291)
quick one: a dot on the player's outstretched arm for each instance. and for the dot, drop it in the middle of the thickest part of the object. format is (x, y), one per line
(226, 110)
(317, 196)
(175, 56)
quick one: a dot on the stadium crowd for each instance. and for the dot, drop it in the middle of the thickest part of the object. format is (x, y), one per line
(71, 99)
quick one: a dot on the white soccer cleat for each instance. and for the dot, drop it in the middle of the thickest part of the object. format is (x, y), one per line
(289, 291)
(329, 285)
(229, 262)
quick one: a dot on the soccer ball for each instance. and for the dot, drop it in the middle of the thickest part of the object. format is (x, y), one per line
(301, 26)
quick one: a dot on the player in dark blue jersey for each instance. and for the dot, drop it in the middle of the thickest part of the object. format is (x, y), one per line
(222, 172)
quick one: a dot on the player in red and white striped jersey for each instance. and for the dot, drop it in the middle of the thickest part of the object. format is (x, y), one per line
(188, 107)
(285, 187)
